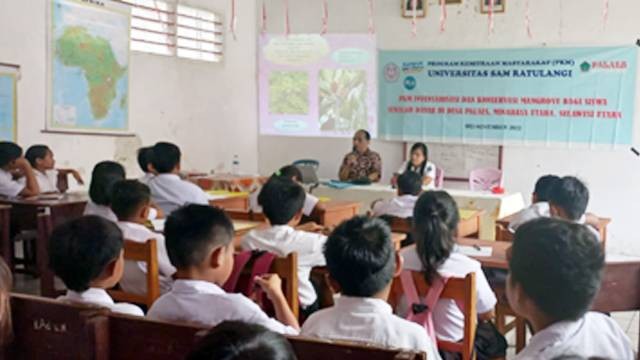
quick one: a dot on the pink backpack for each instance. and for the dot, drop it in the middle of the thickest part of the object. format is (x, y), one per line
(421, 310)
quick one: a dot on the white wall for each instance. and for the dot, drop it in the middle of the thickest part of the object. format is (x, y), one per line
(207, 109)
(611, 175)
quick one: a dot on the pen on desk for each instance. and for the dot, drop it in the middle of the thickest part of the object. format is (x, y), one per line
(477, 247)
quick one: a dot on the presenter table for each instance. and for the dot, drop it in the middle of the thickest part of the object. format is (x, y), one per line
(494, 206)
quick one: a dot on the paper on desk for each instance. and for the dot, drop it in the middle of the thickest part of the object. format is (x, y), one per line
(239, 225)
(480, 251)
(158, 224)
(466, 213)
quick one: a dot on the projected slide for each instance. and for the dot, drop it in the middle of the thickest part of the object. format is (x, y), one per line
(312, 85)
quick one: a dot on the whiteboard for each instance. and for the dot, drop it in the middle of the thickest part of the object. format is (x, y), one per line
(457, 161)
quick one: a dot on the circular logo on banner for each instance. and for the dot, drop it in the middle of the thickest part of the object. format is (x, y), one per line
(410, 83)
(391, 72)
(585, 67)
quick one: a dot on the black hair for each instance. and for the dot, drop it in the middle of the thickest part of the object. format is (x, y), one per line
(127, 197)
(80, 250)
(360, 256)
(435, 224)
(559, 266)
(165, 157)
(289, 171)
(235, 340)
(36, 152)
(571, 195)
(366, 134)
(9, 152)
(544, 185)
(281, 199)
(192, 231)
(145, 155)
(425, 151)
(410, 183)
(104, 175)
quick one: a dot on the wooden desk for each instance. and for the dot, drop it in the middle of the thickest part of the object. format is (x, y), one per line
(229, 182)
(469, 225)
(334, 212)
(233, 202)
(44, 214)
(498, 258)
(6, 246)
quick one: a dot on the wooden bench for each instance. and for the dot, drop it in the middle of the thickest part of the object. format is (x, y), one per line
(142, 252)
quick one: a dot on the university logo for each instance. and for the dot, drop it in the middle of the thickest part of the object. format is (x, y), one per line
(391, 72)
(410, 83)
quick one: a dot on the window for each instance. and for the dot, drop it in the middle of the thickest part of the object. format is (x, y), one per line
(162, 27)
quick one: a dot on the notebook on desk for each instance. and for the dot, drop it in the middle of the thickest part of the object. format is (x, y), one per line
(474, 251)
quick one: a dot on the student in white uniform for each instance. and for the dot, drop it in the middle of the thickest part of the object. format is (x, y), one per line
(555, 273)
(361, 259)
(104, 175)
(200, 245)
(130, 201)
(282, 200)
(12, 161)
(568, 200)
(144, 161)
(420, 164)
(436, 219)
(87, 254)
(311, 203)
(168, 190)
(235, 340)
(409, 188)
(539, 202)
(41, 159)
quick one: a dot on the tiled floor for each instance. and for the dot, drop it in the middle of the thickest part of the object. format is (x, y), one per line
(629, 321)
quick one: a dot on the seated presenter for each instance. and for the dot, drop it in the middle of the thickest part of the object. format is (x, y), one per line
(361, 164)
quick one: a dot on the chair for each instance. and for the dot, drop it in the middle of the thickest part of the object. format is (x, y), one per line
(142, 252)
(463, 291)
(485, 179)
(315, 164)
(248, 264)
(137, 338)
(48, 329)
(438, 182)
(315, 349)
(6, 247)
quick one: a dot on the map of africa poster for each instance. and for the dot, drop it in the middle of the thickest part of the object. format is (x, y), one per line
(88, 67)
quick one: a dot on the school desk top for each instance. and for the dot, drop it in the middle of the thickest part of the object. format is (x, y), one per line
(48, 200)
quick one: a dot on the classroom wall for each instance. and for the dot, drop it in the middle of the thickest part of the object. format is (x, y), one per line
(208, 109)
(611, 175)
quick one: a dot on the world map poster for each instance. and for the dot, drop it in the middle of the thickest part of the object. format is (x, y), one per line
(88, 67)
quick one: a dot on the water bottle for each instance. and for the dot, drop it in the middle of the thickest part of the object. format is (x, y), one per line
(235, 165)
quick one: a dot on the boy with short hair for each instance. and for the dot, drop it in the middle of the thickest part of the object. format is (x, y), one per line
(199, 242)
(539, 202)
(131, 203)
(86, 253)
(409, 188)
(11, 160)
(555, 271)
(168, 190)
(361, 259)
(568, 200)
(282, 200)
(144, 161)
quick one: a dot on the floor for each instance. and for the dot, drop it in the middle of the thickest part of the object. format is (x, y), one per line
(629, 321)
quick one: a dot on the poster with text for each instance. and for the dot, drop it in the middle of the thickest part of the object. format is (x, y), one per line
(541, 96)
(313, 85)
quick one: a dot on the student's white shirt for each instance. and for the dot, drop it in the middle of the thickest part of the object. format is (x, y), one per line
(100, 297)
(448, 320)
(400, 206)
(170, 192)
(206, 304)
(146, 178)
(593, 335)
(134, 279)
(594, 231)
(310, 203)
(283, 240)
(429, 171)
(9, 187)
(370, 321)
(47, 180)
(100, 210)
(535, 211)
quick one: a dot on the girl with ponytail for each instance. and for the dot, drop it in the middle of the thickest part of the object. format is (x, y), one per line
(435, 223)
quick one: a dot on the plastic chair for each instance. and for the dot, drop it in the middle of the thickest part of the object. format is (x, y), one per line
(315, 164)
(485, 179)
(438, 182)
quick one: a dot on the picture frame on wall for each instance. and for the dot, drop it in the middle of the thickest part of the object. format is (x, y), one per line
(407, 8)
(499, 6)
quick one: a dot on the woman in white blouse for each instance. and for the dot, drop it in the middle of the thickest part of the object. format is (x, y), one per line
(420, 164)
